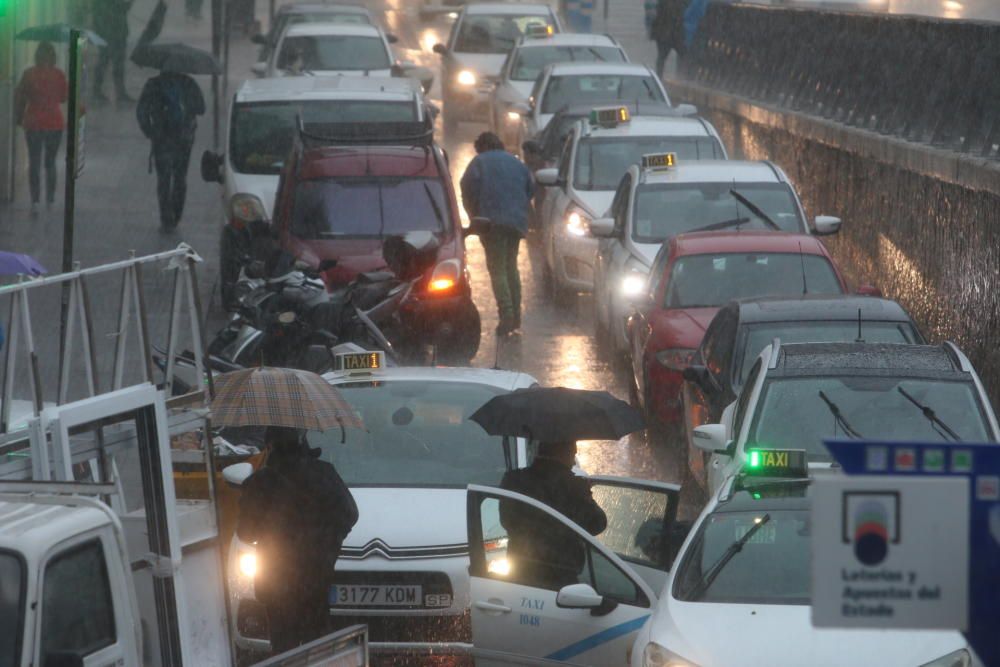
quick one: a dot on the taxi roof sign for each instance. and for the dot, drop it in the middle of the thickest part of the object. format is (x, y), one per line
(539, 30)
(659, 160)
(776, 463)
(610, 116)
(359, 361)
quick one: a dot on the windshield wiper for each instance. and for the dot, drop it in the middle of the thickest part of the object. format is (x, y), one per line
(839, 418)
(595, 53)
(713, 572)
(724, 224)
(932, 418)
(756, 210)
(434, 205)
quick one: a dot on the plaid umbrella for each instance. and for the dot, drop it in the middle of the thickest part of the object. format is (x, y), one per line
(280, 397)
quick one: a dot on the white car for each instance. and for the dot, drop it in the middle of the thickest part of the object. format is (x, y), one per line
(509, 98)
(328, 49)
(754, 609)
(595, 156)
(562, 85)
(407, 471)
(259, 136)
(310, 12)
(797, 395)
(654, 203)
(480, 39)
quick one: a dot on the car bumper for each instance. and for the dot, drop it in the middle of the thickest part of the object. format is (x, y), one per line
(467, 101)
(574, 261)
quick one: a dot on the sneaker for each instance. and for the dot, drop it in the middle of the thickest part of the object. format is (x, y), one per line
(506, 327)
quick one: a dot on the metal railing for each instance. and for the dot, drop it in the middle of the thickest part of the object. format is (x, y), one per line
(922, 79)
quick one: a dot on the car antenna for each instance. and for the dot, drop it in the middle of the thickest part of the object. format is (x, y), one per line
(802, 263)
(859, 339)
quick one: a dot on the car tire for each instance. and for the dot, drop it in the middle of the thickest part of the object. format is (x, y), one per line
(463, 344)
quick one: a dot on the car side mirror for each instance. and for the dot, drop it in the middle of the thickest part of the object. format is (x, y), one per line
(211, 167)
(531, 147)
(259, 68)
(824, 225)
(578, 596)
(868, 290)
(698, 375)
(259, 39)
(520, 108)
(237, 473)
(440, 49)
(686, 110)
(602, 227)
(712, 439)
(547, 177)
(62, 659)
(391, 38)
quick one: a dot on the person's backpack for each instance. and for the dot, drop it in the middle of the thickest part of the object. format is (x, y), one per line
(167, 114)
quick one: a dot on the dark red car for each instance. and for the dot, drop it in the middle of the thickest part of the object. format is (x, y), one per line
(340, 197)
(692, 277)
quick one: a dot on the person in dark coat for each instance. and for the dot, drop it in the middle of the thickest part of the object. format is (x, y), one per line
(541, 552)
(111, 23)
(497, 186)
(666, 28)
(167, 113)
(298, 511)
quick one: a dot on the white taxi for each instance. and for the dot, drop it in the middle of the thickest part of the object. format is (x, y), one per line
(739, 593)
(664, 196)
(540, 47)
(329, 49)
(596, 154)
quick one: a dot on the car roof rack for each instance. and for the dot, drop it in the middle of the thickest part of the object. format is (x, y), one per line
(410, 133)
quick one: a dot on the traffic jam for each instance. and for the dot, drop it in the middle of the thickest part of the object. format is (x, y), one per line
(384, 455)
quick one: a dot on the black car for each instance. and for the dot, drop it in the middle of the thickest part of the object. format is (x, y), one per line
(741, 329)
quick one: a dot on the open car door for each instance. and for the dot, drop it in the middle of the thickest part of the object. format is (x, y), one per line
(584, 610)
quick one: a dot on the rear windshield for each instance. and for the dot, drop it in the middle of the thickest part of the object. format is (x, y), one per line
(11, 609)
(369, 207)
(261, 135)
(578, 90)
(601, 163)
(532, 60)
(317, 53)
(494, 34)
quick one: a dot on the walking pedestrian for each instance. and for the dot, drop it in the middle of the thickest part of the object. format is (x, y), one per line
(167, 113)
(39, 93)
(297, 510)
(541, 553)
(497, 186)
(666, 28)
(111, 23)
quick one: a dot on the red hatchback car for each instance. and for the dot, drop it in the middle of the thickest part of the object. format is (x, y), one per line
(342, 195)
(692, 277)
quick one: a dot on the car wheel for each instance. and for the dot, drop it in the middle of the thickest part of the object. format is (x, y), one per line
(462, 345)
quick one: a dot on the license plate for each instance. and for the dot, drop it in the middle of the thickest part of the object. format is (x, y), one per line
(376, 596)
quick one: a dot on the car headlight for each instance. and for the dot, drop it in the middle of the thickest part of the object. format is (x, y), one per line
(655, 655)
(466, 78)
(633, 283)
(577, 224)
(245, 208)
(675, 359)
(445, 277)
(513, 116)
(248, 564)
(959, 658)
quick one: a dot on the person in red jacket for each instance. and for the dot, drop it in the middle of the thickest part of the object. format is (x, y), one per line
(39, 94)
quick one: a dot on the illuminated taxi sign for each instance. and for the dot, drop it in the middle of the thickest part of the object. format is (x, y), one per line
(659, 161)
(536, 30)
(610, 116)
(360, 361)
(776, 463)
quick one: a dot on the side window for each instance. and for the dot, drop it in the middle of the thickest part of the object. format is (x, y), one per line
(744, 399)
(659, 272)
(619, 207)
(526, 546)
(77, 611)
(564, 158)
(709, 346)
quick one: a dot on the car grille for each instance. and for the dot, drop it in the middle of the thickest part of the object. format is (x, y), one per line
(377, 546)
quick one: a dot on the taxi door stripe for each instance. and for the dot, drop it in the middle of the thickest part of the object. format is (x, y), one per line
(595, 640)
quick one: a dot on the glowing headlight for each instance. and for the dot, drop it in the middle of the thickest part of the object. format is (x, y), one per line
(513, 116)
(499, 566)
(633, 284)
(576, 224)
(655, 655)
(466, 78)
(248, 564)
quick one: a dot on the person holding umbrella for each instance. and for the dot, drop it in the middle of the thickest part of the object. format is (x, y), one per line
(37, 99)
(167, 113)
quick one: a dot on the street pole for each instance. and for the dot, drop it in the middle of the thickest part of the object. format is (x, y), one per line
(74, 129)
(217, 28)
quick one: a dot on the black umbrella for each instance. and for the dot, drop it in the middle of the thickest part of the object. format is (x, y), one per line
(556, 414)
(176, 58)
(57, 32)
(154, 25)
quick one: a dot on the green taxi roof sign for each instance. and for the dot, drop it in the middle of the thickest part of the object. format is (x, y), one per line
(659, 161)
(776, 463)
(540, 30)
(610, 116)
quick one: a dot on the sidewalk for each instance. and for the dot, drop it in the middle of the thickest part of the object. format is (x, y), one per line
(626, 23)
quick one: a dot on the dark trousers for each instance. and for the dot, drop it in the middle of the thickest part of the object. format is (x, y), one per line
(298, 621)
(42, 142)
(113, 55)
(663, 48)
(501, 244)
(171, 158)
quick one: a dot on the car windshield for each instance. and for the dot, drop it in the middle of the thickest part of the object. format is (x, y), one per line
(261, 134)
(417, 433)
(317, 53)
(368, 207)
(702, 281)
(758, 336)
(771, 568)
(663, 210)
(600, 163)
(532, 60)
(485, 33)
(11, 611)
(345, 18)
(792, 414)
(580, 89)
